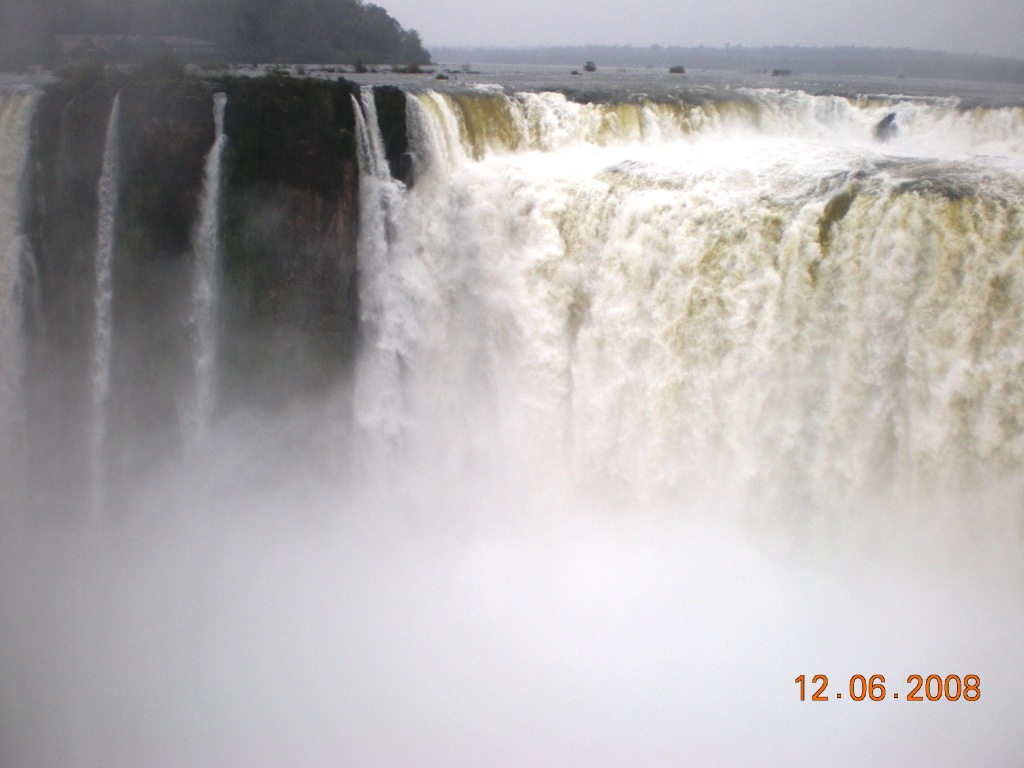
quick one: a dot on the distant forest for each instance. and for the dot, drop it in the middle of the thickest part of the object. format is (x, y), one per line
(847, 60)
(314, 31)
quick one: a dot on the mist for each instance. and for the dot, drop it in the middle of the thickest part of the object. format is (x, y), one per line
(255, 609)
(643, 409)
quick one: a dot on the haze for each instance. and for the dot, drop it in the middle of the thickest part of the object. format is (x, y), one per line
(994, 27)
(638, 431)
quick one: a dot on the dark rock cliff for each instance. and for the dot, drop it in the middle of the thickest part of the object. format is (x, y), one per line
(291, 212)
(70, 126)
(166, 131)
(390, 103)
(289, 221)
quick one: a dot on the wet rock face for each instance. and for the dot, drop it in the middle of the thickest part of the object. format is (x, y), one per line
(288, 321)
(290, 232)
(391, 115)
(886, 128)
(290, 131)
(69, 130)
(165, 130)
(68, 136)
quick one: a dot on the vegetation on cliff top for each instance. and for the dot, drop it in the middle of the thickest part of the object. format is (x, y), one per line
(321, 31)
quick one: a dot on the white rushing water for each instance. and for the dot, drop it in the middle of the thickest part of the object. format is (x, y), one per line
(658, 407)
(103, 321)
(16, 109)
(752, 298)
(206, 279)
(381, 199)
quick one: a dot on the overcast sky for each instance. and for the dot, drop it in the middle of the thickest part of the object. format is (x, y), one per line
(965, 26)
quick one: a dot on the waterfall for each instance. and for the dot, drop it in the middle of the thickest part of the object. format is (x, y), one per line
(495, 121)
(657, 406)
(372, 161)
(206, 286)
(16, 110)
(792, 317)
(384, 308)
(106, 193)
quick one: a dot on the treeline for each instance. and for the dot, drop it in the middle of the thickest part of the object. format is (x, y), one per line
(315, 31)
(843, 60)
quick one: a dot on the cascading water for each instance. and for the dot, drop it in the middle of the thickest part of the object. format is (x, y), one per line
(16, 110)
(659, 406)
(381, 208)
(206, 286)
(106, 193)
(752, 296)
